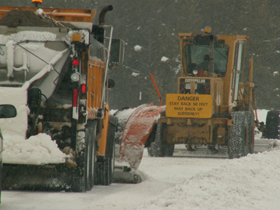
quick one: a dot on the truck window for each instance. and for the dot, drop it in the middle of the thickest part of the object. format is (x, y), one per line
(197, 57)
(238, 60)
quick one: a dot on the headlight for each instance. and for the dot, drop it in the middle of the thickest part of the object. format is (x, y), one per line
(75, 77)
(195, 72)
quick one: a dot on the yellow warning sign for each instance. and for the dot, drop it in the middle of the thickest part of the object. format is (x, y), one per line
(188, 105)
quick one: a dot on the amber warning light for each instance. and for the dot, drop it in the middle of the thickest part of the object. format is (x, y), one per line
(207, 30)
(37, 1)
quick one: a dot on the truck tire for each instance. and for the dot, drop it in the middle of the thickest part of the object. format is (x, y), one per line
(88, 154)
(239, 139)
(91, 139)
(79, 180)
(158, 147)
(251, 132)
(271, 125)
(86, 182)
(105, 169)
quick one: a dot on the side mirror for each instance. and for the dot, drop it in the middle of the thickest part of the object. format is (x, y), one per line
(7, 111)
(117, 52)
(111, 83)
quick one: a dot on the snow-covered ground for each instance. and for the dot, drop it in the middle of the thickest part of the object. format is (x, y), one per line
(250, 183)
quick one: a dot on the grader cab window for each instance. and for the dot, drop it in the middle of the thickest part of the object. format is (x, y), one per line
(197, 57)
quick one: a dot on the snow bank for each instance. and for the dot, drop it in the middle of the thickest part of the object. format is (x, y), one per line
(243, 183)
(249, 183)
(39, 149)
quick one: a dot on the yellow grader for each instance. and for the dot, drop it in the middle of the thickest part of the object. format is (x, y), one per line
(212, 108)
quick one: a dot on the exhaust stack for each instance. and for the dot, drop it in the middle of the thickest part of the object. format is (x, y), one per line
(96, 29)
(103, 13)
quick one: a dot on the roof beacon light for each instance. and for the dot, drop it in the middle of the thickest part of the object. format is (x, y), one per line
(36, 2)
(207, 30)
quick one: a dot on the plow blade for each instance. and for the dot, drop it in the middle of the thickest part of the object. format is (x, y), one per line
(261, 145)
(33, 177)
(136, 132)
(199, 152)
(124, 174)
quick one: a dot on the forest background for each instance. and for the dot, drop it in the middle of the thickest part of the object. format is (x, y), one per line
(154, 26)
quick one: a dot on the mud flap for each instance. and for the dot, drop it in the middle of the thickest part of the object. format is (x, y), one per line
(136, 131)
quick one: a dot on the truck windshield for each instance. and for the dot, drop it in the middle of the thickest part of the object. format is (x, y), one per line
(197, 57)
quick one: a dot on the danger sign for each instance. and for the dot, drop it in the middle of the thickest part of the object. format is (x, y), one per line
(188, 105)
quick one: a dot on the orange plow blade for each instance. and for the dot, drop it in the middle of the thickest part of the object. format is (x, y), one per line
(136, 131)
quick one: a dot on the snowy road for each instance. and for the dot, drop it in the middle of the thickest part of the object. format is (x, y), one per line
(173, 183)
(249, 183)
(160, 173)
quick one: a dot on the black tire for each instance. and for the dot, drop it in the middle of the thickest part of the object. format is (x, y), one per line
(105, 168)
(90, 137)
(92, 129)
(80, 178)
(88, 154)
(251, 132)
(158, 147)
(271, 125)
(239, 139)
(86, 159)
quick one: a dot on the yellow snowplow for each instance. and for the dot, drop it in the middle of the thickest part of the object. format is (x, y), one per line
(212, 108)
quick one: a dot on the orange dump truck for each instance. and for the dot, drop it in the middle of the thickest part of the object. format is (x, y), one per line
(55, 63)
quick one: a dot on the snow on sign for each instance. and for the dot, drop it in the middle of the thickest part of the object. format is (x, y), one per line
(188, 105)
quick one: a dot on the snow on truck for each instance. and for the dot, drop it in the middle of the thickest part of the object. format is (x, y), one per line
(54, 67)
(213, 108)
